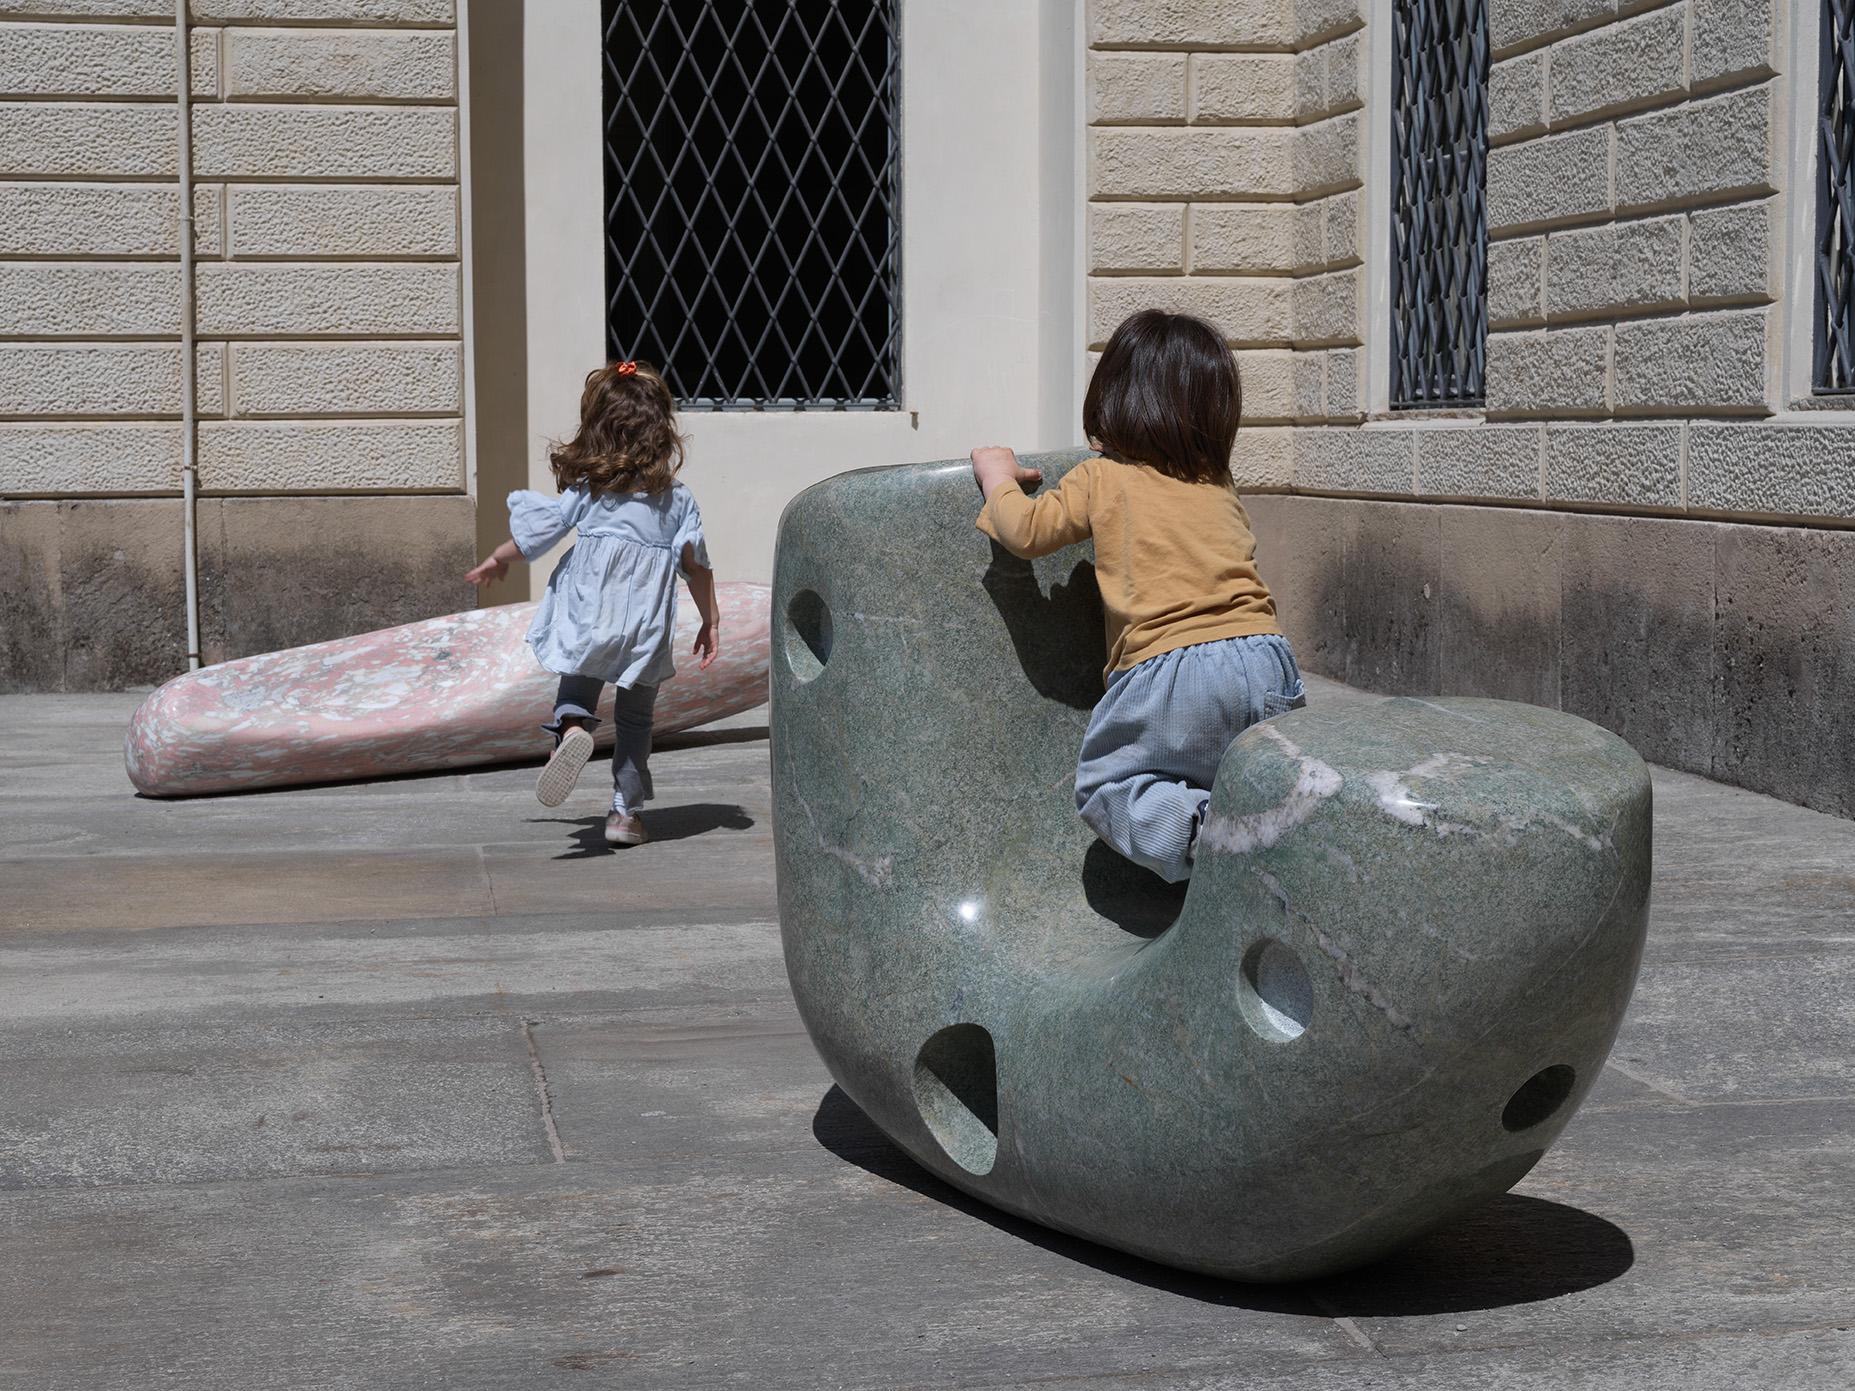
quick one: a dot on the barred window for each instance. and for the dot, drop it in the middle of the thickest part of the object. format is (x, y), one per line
(751, 192)
(1833, 368)
(1439, 220)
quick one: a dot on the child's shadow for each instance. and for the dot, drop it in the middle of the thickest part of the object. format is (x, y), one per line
(666, 823)
(1058, 635)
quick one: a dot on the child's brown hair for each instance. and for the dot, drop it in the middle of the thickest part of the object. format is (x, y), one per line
(1166, 393)
(627, 441)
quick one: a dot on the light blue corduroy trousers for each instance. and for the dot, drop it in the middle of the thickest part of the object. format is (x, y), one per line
(1158, 734)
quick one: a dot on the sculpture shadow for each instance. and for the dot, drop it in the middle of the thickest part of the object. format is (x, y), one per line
(708, 738)
(1511, 1250)
(663, 823)
(1058, 636)
(1129, 895)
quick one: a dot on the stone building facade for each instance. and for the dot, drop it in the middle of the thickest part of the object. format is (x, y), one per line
(1645, 521)
(1645, 518)
(328, 305)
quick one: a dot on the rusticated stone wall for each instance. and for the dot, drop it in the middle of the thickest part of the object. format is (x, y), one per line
(328, 309)
(1224, 161)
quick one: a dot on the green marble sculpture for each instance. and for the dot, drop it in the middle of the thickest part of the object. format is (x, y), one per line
(1402, 959)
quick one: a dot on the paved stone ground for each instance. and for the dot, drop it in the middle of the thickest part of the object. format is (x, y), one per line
(272, 1071)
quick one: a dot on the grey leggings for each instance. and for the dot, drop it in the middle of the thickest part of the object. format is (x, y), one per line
(632, 708)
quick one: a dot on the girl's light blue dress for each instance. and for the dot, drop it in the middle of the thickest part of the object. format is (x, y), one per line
(610, 606)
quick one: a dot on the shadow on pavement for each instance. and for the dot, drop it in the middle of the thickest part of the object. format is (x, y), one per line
(665, 823)
(1513, 1250)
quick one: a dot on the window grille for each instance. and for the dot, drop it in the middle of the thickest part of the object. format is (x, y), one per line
(1439, 260)
(1834, 365)
(752, 186)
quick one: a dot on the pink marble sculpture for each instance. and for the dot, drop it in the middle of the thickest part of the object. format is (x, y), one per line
(445, 693)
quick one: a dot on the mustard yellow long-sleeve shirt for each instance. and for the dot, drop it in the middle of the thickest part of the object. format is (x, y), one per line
(1176, 561)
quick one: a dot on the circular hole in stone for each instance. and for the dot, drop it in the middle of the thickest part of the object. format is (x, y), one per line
(956, 1089)
(808, 634)
(1539, 1097)
(1274, 992)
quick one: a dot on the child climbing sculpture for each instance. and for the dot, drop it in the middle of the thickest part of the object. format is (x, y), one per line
(610, 608)
(1194, 653)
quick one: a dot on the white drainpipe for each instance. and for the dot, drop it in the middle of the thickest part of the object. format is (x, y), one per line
(189, 462)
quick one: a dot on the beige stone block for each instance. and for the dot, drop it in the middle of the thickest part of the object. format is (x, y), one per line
(58, 460)
(1243, 88)
(1558, 372)
(88, 299)
(1327, 156)
(208, 220)
(347, 456)
(1192, 163)
(1556, 178)
(325, 142)
(310, 220)
(1346, 77)
(1719, 148)
(328, 11)
(88, 61)
(1268, 378)
(1327, 308)
(1252, 237)
(106, 379)
(1619, 267)
(1734, 253)
(340, 64)
(1249, 312)
(1792, 470)
(1136, 88)
(1343, 384)
(1628, 465)
(1320, 19)
(253, 300)
(1517, 282)
(1263, 457)
(1355, 458)
(55, 219)
(1619, 67)
(1478, 460)
(1732, 40)
(1715, 361)
(1514, 24)
(87, 9)
(1310, 384)
(130, 140)
(1190, 24)
(1310, 237)
(1310, 85)
(300, 380)
(1517, 97)
(1136, 237)
(1340, 227)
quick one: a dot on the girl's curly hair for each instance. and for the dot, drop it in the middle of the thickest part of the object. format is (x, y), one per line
(627, 442)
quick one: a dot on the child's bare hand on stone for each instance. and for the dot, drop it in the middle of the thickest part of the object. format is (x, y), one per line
(994, 465)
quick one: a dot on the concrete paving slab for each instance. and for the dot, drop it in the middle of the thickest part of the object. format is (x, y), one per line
(721, 1215)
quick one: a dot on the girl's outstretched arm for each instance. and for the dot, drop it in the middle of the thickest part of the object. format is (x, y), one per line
(702, 590)
(496, 565)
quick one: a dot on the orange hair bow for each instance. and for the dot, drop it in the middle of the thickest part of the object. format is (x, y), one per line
(627, 369)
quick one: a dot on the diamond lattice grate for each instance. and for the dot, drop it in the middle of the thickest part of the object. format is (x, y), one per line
(1439, 209)
(1834, 366)
(752, 182)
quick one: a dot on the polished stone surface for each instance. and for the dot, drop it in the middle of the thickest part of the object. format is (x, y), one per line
(451, 692)
(1398, 970)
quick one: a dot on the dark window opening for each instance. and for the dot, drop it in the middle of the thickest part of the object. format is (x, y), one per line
(1439, 222)
(751, 190)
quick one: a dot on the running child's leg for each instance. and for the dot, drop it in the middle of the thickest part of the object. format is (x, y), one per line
(631, 772)
(575, 700)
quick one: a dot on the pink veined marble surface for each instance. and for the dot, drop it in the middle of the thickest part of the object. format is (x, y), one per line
(445, 693)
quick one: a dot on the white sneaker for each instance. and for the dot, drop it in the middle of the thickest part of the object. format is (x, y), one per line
(563, 769)
(625, 828)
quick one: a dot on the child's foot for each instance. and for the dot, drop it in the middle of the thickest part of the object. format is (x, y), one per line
(563, 769)
(623, 828)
